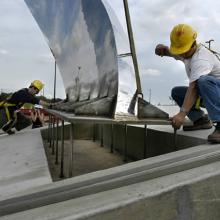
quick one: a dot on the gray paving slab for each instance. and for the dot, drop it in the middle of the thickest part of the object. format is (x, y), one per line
(23, 163)
(203, 134)
(185, 168)
(117, 177)
(194, 154)
(173, 196)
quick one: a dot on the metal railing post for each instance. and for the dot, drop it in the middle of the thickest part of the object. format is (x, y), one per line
(62, 151)
(57, 142)
(125, 142)
(71, 150)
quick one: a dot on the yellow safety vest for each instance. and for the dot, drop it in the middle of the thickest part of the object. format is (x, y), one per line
(198, 103)
(5, 105)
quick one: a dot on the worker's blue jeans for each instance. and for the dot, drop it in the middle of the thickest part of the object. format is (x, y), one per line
(209, 89)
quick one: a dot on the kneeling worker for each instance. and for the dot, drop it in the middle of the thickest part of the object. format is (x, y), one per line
(10, 116)
(203, 70)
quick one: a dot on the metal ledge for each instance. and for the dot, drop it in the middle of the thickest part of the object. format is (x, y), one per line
(119, 119)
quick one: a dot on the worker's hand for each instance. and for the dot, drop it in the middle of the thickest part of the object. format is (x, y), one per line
(50, 106)
(53, 105)
(162, 50)
(178, 120)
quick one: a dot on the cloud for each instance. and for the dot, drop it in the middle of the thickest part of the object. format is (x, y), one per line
(150, 72)
(46, 58)
(3, 52)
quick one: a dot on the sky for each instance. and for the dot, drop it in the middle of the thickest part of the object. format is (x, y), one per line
(25, 55)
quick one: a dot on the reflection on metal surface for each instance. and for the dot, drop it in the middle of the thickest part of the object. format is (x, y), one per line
(146, 110)
(99, 107)
(126, 74)
(82, 41)
(92, 107)
(88, 43)
(132, 104)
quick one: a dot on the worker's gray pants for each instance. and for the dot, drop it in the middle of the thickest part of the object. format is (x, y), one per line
(21, 123)
(3, 117)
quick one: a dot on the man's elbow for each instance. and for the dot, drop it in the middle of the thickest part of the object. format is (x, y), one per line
(193, 85)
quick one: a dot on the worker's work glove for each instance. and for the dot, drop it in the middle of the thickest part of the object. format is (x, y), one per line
(53, 105)
(178, 120)
(162, 50)
(50, 106)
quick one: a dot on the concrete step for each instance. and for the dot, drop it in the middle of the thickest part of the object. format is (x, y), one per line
(190, 194)
(129, 174)
(23, 163)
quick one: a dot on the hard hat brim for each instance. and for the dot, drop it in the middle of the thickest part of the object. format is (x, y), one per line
(180, 50)
(37, 84)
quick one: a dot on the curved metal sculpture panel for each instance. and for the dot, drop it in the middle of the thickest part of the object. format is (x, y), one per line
(92, 53)
(81, 38)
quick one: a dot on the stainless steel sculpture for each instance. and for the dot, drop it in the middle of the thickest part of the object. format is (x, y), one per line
(88, 44)
(82, 41)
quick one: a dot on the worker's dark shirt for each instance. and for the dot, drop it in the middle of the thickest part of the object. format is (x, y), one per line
(19, 98)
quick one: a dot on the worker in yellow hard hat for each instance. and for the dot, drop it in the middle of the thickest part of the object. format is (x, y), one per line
(203, 71)
(37, 84)
(10, 116)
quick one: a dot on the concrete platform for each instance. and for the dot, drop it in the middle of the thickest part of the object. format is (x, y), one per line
(177, 196)
(184, 195)
(23, 163)
(202, 134)
(181, 185)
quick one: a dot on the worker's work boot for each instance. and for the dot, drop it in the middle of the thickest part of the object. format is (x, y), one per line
(202, 123)
(214, 137)
(7, 127)
(10, 132)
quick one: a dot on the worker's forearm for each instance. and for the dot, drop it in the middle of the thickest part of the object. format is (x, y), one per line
(190, 97)
(44, 104)
(168, 54)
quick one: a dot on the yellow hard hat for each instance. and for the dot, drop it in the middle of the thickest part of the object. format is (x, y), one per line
(181, 38)
(37, 84)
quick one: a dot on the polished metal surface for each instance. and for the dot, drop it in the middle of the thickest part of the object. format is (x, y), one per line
(126, 72)
(119, 119)
(81, 38)
(147, 110)
(93, 54)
